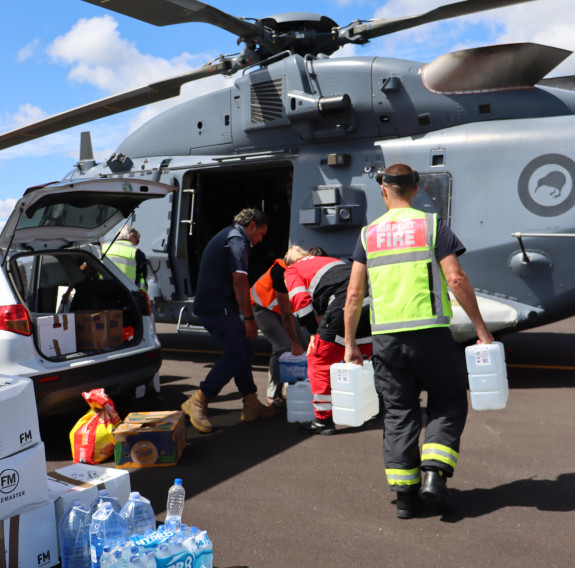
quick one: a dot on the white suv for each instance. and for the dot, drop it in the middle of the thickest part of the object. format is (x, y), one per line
(53, 274)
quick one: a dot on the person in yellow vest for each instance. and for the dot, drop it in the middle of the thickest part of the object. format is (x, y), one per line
(126, 255)
(409, 258)
(272, 313)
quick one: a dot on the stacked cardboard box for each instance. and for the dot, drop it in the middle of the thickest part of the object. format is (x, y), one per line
(98, 330)
(27, 517)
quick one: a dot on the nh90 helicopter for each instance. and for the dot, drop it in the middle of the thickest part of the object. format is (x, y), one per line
(301, 135)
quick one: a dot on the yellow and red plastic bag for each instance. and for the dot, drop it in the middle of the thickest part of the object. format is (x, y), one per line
(91, 437)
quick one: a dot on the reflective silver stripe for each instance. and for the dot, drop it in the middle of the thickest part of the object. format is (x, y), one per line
(411, 256)
(304, 311)
(397, 477)
(315, 280)
(123, 260)
(256, 297)
(398, 257)
(297, 290)
(359, 341)
(443, 320)
(322, 401)
(273, 304)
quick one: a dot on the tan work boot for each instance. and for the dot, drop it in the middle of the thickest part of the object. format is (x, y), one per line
(254, 409)
(196, 407)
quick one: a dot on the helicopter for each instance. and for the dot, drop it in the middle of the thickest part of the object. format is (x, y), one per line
(301, 135)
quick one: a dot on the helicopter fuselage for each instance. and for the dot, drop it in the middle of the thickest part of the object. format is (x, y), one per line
(302, 138)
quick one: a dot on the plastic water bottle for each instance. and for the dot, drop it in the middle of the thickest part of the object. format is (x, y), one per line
(353, 396)
(299, 402)
(102, 497)
(175, 505)
(108, 528)
(74, 531)
(139, 514)
(487, 375)
(204, 557)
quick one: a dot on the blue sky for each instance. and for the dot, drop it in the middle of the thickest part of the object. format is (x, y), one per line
(59, 55)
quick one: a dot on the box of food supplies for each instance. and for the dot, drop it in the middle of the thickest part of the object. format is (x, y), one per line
(19, 427)
(23, 480)
(150, 439)
(30, 537)
(82, 481)
(56, 334)
(293, 368)
(98, 330)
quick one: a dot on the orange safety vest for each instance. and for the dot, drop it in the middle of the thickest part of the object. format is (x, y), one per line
(263, 293)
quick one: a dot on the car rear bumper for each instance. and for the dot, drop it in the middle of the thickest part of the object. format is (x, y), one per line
(61, 391)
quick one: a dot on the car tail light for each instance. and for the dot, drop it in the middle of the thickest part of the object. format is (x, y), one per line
(144, 303)
(15, 318)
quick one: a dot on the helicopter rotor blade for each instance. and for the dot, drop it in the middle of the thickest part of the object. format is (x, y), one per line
(492, 68)
(362, 33)
(567, 82)
(111, 105)
(169, 12)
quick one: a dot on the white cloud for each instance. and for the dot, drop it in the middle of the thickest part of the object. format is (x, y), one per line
(6, 207)
(26, 114)
(28, 51)
(99, 56)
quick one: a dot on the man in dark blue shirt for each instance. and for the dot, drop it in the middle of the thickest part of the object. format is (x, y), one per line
(222, 294)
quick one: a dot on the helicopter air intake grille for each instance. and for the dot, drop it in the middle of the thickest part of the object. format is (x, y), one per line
(266, 101)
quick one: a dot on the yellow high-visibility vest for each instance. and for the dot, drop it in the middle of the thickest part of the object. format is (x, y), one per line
(408, 290)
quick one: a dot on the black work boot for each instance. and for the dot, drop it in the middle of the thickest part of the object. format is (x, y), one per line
(434, 488)
(323, 426)
(408, 504)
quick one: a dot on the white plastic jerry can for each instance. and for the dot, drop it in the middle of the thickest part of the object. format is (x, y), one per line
(488, 384)
(353, 396)
(299, 402)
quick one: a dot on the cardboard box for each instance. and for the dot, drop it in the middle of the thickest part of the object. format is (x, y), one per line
(30, 538)
(82, 481)
(19, 428)
(56, 334)
(150, 439)
(98, 330)
(115, 327)
(23, 480)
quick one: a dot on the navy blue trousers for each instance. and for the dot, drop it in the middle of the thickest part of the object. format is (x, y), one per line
(236, 360)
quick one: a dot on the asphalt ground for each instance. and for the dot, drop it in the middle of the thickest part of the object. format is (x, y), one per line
(272, 497)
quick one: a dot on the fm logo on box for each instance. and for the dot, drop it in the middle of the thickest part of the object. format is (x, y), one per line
(9, 480)
(25, 437)
(44, 559)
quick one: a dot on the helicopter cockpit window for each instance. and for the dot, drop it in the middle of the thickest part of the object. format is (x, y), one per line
(434, 195)
(68, 215)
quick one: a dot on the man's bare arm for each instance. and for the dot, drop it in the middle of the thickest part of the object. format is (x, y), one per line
(352, 311)
(459, 284)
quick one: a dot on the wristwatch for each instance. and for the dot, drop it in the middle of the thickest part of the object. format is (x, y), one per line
(249, 318)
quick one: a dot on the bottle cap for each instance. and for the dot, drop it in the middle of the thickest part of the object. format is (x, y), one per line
(177, 481)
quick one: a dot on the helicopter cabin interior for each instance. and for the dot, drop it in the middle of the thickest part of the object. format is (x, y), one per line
(210, 199)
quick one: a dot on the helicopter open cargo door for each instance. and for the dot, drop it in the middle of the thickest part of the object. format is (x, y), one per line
(212, 197)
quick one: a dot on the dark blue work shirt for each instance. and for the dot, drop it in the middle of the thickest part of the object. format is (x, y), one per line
(226, 253)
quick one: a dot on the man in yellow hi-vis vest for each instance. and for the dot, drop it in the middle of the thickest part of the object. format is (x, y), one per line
(126, 255)
(409, 258)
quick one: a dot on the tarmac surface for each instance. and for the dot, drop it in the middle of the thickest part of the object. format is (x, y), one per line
(272, 497)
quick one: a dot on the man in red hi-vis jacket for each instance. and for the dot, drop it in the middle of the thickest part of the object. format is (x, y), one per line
(317, 288)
